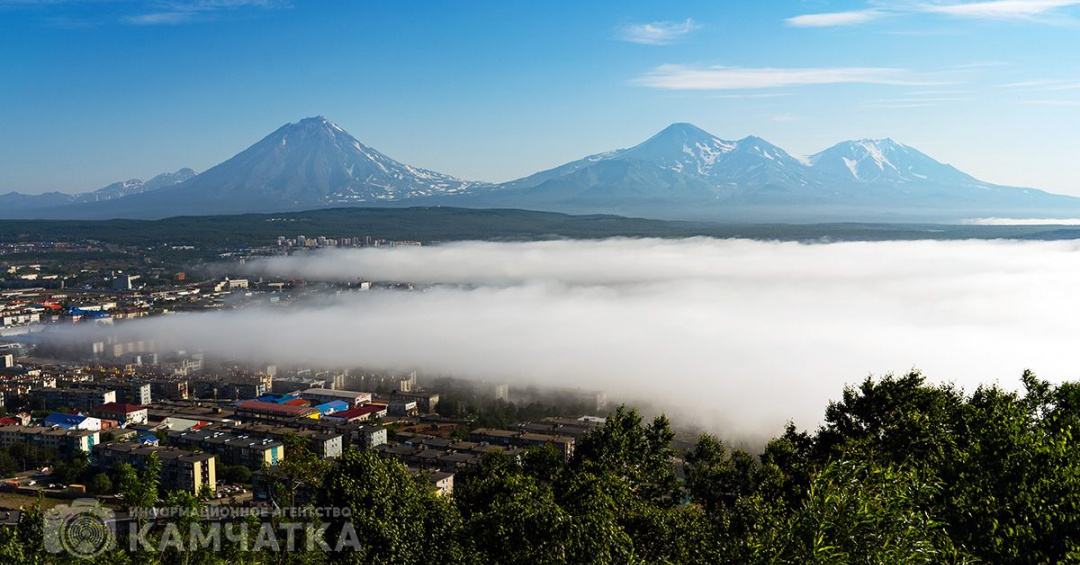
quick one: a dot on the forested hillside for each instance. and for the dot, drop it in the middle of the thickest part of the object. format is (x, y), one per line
(901, 471)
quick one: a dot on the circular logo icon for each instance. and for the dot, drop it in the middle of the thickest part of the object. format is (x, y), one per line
(84, 530)
(85, 534)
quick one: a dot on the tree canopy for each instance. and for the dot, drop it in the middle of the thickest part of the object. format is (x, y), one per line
(900, 471)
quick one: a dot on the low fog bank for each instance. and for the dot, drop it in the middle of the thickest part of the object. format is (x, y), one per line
(736, 335)
(1024, 222)
(624, 261)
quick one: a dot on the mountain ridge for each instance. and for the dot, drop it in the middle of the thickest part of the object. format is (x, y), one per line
(680, 172)
(113, 191)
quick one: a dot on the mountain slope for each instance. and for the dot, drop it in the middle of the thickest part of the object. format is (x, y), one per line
(885, 173)
(14, 204)
(135, 186)
(306, 165)
(885, 161)
(682, 172)
(685, 172)
(680, 166)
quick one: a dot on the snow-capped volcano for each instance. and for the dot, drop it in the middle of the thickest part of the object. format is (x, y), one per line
(686, 172)
(313, 163)
(680, 147)
(885, 161)
(681, 162)
(681, 172)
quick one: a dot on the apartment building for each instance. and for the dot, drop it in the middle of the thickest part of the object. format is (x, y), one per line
(564, 444)
(82, 399)
(253, 453)
(125, 414)
(272, 412)
(62, 442)
(130, 392)
(323, 395)
(180, 469)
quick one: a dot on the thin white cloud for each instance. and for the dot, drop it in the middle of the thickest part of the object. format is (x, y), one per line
(163, 18)
(1061, 103)
(948, 93)
(173, 12)
(897, 105)
(1043, 85)
(913, 102)
(835, 19)
(980, 65)
(1029, 10)
(750, 95)
(999, 9)
(657, 33)
(683, 77)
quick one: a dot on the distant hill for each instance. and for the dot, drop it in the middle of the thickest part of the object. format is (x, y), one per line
(683, 172)
(14, 204)
(209, 234)
(136, 186)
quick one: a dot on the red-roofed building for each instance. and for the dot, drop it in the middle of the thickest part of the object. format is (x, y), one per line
(273, 412)
(365, 412)
(124, 414)
(297, 402)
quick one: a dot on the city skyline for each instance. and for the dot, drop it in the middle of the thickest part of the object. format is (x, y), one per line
(105, 91)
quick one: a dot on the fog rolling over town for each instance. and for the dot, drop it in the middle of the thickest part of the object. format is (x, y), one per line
(736, 335)
(539, 283)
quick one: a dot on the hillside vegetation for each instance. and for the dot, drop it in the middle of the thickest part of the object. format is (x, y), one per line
(901, 471)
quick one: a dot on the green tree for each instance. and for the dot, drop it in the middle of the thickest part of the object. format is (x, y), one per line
(140, 489)
(294, 478)
(74, 469)
(640, 455)
(29, 539)
(475, 488)
(520, 522)
(236, 474)
(899, 418)
(597, 504)
(101, 484)
(397, 519)
(857, 512)
(543, 463)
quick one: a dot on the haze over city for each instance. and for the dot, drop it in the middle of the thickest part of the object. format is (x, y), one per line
(592, 283)
(735, 335)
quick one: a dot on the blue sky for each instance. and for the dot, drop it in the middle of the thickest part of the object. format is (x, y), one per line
(94, 91)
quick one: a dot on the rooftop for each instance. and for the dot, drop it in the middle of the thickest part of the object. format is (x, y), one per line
(119, 408)
(271, 408)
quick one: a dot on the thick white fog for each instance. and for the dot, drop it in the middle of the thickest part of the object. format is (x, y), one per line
(735, 334)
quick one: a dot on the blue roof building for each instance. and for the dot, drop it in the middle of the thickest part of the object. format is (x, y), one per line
(65, 421)
(332, 406)
(276, 398)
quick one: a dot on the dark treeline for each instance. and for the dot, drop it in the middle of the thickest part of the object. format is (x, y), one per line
(901, 471)
(431, 224)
